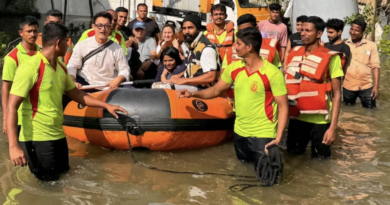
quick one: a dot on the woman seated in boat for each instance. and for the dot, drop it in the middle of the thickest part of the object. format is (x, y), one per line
(171, 64)
(170, 39)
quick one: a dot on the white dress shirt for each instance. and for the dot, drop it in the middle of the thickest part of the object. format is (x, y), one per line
(103, 67)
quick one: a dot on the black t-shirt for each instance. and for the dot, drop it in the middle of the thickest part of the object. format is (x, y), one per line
(151, 27)
(296, 40)
(126, 32)
(342, 47)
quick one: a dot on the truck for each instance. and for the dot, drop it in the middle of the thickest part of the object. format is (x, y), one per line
(176, 10)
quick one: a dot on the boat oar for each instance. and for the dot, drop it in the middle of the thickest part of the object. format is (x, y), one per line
(136, 82)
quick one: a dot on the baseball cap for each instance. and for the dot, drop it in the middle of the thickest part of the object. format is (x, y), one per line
(139, 24)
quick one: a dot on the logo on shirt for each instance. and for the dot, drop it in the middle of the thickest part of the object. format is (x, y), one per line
(254, 86)
(200, 105)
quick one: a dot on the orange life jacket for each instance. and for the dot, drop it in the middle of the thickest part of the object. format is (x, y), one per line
(226, 48)
(68, 54)
(268, 49)
(308, 81)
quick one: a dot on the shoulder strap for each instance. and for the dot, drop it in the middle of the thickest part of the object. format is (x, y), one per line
(96, 51)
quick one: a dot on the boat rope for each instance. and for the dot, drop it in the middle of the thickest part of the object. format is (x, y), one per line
(268, 169)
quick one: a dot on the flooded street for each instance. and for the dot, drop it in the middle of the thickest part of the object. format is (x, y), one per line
(358, 173)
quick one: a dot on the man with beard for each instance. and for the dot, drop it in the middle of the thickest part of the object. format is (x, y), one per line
(203, 62)
(25, 50)
(275, 29)
(261, 98)
(221, 33)
(115, 36)
(334, 28)
(313, 80)
(364, 65)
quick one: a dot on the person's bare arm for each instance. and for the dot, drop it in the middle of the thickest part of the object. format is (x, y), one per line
(16, 154)
(206, 78)
(4, 102)
(113, 84)
(375, 90)
(330, 134)
(208, 93)
(85, 99)
(282, 103)
(288, 49)
(164, 75)
(180, 75)
(282, 54)
(157, 37)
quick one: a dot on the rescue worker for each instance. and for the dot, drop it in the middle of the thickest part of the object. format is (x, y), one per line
(221, 33)
(313, 79)
(115, 36)
(25, 50)
(203, 62)
(268, 46)
(261, 105)
(39, 84)
(55, 16)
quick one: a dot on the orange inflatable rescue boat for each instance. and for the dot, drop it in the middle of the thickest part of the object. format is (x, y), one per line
(157, 120)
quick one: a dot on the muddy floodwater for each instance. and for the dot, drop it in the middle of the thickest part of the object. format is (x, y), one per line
(358, 173)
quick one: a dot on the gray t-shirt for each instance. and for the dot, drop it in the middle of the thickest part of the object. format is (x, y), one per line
(145, 48)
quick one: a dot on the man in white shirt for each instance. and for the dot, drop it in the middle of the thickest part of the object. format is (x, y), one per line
(108, 67)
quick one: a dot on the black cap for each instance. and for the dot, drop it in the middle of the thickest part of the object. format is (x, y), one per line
(195, 20)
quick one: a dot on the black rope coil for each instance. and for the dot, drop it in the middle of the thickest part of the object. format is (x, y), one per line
(269, 169)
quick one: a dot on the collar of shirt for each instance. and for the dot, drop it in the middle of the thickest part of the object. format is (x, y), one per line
(45, 61)
(363, 41)
(224, 29)
(23, 51)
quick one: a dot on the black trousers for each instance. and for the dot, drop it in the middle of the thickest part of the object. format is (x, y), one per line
(301, 133)
(364, 96)
(47, 160)
(249, 149)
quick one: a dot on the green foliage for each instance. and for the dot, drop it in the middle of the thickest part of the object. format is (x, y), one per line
(20, 8)
(384, 44)
(369, 15)
(76, 31)
(4, 39)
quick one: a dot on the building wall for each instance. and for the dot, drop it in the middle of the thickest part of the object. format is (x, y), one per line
(80, 8)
